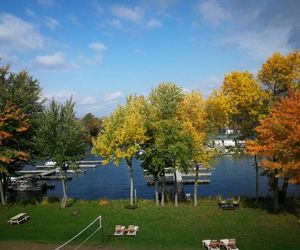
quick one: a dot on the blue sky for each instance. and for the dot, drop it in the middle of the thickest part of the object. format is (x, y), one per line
(100, 51)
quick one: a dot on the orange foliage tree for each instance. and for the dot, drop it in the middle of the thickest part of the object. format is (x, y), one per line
(278, 142)
(13, 122)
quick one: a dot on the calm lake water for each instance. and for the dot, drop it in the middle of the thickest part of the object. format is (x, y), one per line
(228, 178)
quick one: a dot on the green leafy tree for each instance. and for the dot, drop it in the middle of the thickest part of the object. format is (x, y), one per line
(122, 135)
(92, 125)
(61, 138)
(168, 146)
(21, 90)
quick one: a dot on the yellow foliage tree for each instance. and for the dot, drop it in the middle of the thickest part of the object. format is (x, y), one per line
(246, 101)
(246, 105)
(281, 73)
(217, 108)
(192, 114)
(122, 135)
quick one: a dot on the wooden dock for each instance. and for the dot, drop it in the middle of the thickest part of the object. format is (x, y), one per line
(89, 162)
(187, 182)
(55, 177)
(38, 172)
(87, 165)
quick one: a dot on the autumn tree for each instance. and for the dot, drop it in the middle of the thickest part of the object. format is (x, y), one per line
(20, 90)
(280, 73)
(247, 104)
(13, 123)
(217, 109)
(278, 143)
(193, 116)
(61, 138)
(92, 125)
(168, 146)
(122, 135)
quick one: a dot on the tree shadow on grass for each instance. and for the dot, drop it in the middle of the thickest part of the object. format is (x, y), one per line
(291, 205)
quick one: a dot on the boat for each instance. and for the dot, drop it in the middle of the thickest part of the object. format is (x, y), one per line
(50, 164)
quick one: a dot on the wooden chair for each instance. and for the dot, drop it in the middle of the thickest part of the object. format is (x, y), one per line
(229, 244)
(119, 230)
(221, 202)
(236, 202)
(211, 244)
(132, 230)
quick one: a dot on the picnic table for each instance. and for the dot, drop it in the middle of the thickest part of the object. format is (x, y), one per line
(19, 218)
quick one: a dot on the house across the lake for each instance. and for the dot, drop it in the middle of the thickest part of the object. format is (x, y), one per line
(228, 139)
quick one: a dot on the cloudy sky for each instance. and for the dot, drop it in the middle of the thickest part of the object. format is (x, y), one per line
(100, 51)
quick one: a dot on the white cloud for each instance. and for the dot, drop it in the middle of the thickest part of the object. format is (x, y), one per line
(60, 96)
(260, 44)
(134, 14)
(52, 23)
(30, 13)
(18, 34)
(98, 47)
(212, 12)
(46, 3)
(54, 61)
(88, 100)
(115, 96)
(7, 58)
(153, 23)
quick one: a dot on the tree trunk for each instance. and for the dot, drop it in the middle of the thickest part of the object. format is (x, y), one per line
(129, 163)
(196, 186)
(64, 185)
(284, 188)
(163, 191)
(176, 189)
(156, 190)
(3, 201)
(275, 192)
(256, 183)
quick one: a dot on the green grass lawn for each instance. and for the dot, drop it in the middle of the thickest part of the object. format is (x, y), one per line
(182, 227)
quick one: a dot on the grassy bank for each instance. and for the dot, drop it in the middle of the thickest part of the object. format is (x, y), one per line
(170, 227)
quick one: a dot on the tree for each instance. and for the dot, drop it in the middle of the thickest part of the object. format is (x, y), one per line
(217, 108)
(21, 90)
(13, 123)
(247, 104)
(168, 146)
(122, 135)
(92, 125)
(193, 115)
(281, 74)
(61, 139)
(278, 143)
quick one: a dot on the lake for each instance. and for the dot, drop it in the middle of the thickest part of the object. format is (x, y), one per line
(228, 178)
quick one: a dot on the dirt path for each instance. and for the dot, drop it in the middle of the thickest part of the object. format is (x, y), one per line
(36, 246)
